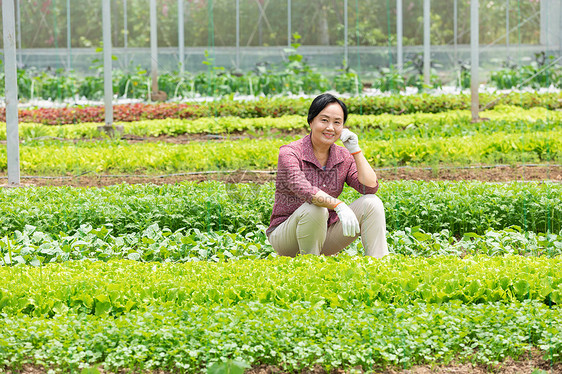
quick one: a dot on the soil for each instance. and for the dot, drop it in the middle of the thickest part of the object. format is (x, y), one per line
(481, 173)
(502, 173)
(533, 363)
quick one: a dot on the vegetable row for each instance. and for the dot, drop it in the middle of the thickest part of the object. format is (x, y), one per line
(63, 86)
(460, 207)
(300, 336)
(117, 287)
(372, 127)
(37, 248)
(118, 156)
(275, 107)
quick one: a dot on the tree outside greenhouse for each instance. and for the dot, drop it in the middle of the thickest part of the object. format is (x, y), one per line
(319, 22)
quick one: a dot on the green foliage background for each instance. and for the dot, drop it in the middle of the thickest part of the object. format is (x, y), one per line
(45, 22)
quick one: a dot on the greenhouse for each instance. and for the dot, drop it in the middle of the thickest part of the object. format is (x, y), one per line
(281, 186)
(62, 41)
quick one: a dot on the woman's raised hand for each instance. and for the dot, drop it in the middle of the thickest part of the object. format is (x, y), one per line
(350, 141)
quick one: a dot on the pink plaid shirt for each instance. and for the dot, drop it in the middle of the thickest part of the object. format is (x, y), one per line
(300, 176)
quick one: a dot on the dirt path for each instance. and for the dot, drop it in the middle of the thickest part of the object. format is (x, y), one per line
(534, 363)
(488, 174)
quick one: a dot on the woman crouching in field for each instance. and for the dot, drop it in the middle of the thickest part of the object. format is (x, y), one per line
(308, 217)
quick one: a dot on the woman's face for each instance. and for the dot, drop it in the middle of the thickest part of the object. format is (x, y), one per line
(327, 126)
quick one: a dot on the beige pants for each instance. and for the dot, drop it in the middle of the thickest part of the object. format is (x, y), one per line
(306, 232)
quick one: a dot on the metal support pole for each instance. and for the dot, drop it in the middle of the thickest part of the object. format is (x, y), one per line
(107, 76)
(399, 35)
(507, 25)
(289, 26)
(56, 31)
(474, 60)
(68, 37)
(181, 39)
(546, 7)
(237, 34)
(125, 33)
(11, 82)
(456, 29)
(153, 47)
(18, 22)
(551, 23)
(260, 27)
(346, 44)
(426, 42)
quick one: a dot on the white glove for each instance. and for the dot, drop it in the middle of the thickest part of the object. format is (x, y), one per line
(348, 220)
(350, 141)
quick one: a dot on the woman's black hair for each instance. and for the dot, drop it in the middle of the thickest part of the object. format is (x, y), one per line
(321, 102)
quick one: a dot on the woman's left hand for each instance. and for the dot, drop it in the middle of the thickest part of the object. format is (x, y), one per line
(350, 141)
